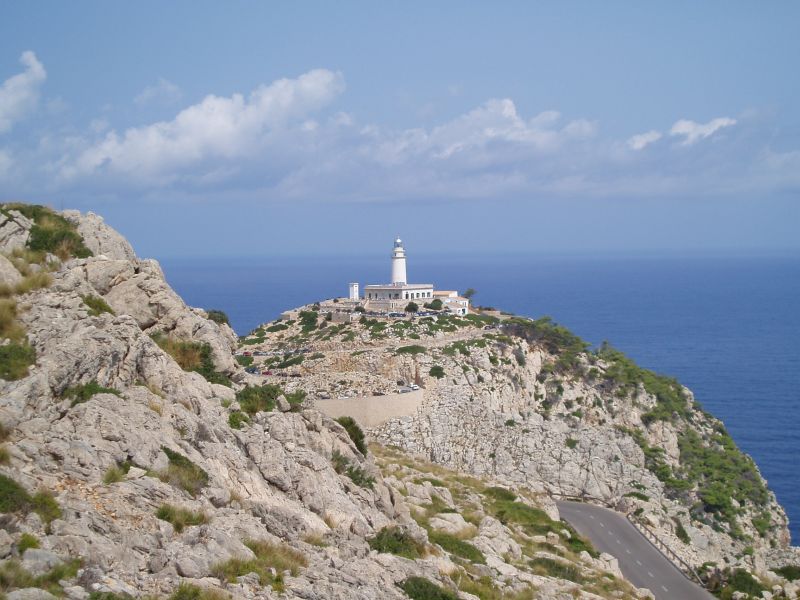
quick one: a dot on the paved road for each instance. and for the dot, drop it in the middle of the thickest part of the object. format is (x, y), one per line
(639, 561)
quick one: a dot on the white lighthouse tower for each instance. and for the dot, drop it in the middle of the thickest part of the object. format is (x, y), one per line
(399, 263)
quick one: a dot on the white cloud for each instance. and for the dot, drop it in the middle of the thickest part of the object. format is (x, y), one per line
(640, 140)
(20, 93)
(217, 128)
(164, 91)
(693, 132)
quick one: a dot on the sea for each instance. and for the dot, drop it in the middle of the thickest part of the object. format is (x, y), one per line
(728, 328)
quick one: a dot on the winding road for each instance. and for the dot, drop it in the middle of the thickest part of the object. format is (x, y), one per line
(640, 562)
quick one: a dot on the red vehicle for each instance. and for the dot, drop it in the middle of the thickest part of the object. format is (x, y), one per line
(266, 372)
(247, 354)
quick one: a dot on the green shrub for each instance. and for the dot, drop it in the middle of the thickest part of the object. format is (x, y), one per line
(638, 495)
(357, 474)
(290, 361)
(245, 361)
(97, 305)
(571, 443)
(277, 327)
(192, 356)
(681, 532)
(742, 581)
(269, 557)
(555, 568)
(254, 399)
(413, 349)
(721, 472)
(218, 316)
(5, 455)
(308, 320)
(116, 473)
(13, 497)
(498, 493)
(189, 591)
(391, 540)
(355, 432)
(26, 542)
(44, 504)
(82, 393)
(15, 358)
(108, 596)
(183, 473)
(762, 523)
(180, 517)
(14, 576)
(237, 419)
(51, 232)
(420, 588)
(456, 546)
(436, 371)
(790, 572)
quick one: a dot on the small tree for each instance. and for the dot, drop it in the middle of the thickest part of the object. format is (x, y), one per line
(412, 307)
(469, 293)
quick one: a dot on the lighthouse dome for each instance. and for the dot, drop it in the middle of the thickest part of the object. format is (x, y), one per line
(398, 243)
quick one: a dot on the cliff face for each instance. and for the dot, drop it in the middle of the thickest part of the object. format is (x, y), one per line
(529, 404)
(133, 459)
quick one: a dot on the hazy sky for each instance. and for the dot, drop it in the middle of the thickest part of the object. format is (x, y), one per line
(299, 127)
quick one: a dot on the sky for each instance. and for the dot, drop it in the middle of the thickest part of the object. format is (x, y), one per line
(299, 128)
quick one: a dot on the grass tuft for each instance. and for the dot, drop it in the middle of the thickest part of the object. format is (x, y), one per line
(183, 473)
(180, 518)
(268, 556)
(420, 588)
(192, 356)
(391, 540)
(97, 305)
(82, 393)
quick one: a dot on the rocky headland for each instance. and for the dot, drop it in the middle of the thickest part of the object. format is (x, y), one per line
(140, 458)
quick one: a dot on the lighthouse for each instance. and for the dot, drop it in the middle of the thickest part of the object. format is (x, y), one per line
(399, 263)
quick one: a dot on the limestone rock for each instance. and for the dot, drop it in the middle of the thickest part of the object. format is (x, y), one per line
(8, 272)
(99, 237)
(14, 231)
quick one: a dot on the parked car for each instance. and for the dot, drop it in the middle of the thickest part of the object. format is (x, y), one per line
(414, 386)
(252, 370)
(247, 354)
(266, 372)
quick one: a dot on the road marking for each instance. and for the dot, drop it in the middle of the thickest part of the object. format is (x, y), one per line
(618, 541)
(591, 517)
(664, 588)
(627, 551)
(601, 524)
(649, 573)
(638, 563)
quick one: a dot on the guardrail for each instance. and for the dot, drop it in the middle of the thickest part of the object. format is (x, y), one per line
(650, 535)
(670, 554)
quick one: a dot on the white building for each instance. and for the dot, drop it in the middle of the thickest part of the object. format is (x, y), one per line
(395, 296)
(452, 301)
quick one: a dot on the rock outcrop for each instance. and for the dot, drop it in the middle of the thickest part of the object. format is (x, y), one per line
(525, 403)
(126, 474)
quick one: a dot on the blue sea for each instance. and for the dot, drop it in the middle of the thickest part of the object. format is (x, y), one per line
(726, 328)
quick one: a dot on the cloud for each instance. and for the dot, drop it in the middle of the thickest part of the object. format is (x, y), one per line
(287, 140)
(639, 141)
(164, 92)
(20, 93)
(217, 128)
(693, 132)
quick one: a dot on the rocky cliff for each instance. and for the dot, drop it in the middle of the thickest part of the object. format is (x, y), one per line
(138, 459)
(529, 404)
